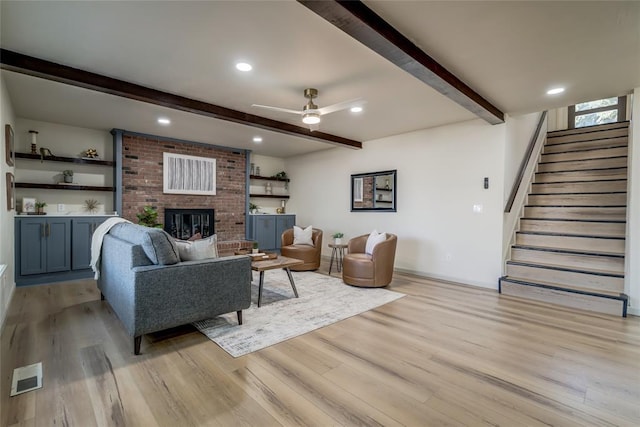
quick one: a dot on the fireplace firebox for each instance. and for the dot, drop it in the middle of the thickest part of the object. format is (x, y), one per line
(187, 223)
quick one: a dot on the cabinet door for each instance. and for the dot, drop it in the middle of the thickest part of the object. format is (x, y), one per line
(58, 244)
(32, 246)
(81, 234)
(265, 233)
(283, 222)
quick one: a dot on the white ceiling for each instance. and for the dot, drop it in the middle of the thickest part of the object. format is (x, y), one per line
(508, 52)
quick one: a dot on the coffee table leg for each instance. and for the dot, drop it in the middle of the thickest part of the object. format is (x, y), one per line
(260, 288)
(293, 285)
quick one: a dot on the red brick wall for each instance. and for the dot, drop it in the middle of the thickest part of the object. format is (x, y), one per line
(142, 183)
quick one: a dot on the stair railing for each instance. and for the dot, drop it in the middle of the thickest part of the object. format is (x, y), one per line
(524, 163)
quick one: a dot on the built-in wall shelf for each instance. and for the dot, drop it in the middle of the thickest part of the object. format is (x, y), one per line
(269, 178)
(64, 187)
(66, 159)
(269, 196)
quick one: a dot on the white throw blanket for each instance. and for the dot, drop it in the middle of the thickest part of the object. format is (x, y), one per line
(96, 242)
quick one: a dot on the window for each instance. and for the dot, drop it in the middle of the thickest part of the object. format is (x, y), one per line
(598, 112)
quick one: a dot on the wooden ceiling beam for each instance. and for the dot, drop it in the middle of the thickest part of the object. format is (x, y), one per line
(36, 67)
(364, 25)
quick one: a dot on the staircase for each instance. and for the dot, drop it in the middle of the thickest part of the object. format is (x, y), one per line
(570, 246)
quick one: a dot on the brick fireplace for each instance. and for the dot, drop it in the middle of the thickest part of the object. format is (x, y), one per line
(142, 183)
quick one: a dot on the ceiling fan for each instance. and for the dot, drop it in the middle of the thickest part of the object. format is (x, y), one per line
(310, 112)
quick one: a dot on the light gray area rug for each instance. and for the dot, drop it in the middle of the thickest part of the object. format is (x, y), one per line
(323, 300)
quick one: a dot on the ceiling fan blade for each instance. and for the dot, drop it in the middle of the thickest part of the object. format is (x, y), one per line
(339, 106)
(283, 110)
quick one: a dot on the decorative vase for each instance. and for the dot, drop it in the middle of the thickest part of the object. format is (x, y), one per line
(254, 250)
(68, 179)
(338, 240)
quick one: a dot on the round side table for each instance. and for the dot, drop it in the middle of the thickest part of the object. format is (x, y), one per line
(337, 254)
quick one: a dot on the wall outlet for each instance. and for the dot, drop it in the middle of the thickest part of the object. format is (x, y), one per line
(60, 207)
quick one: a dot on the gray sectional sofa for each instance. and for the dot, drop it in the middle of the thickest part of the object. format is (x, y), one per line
(149, 289)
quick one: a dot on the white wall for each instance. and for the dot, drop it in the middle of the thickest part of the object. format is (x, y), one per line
(65, 141)
(7, 286)
(632, 261)
(440, 179)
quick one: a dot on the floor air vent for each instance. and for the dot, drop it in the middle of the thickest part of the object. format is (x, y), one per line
(26, 378)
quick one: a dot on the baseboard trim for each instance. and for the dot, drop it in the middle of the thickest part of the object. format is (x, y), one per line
(447, 279)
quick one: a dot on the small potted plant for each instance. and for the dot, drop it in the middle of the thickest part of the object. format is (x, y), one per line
(40, 207)
(149, 217)
(68, 176)
(255, 248)
(337, 238)
(253, 208)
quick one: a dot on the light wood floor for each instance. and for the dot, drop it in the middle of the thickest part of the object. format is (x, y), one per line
(444, 355)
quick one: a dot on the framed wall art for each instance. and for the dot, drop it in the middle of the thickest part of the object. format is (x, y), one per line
(188, 174)
(9, 144)
(28, 205)
(11, 194)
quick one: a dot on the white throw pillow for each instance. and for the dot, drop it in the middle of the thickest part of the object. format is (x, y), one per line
(303, 236)
(198, 249)
(373, 239)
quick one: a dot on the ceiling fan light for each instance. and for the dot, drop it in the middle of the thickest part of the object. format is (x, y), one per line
(311, 118)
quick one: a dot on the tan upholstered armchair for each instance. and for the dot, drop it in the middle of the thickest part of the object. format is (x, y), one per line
(372, 271)
(309, 254)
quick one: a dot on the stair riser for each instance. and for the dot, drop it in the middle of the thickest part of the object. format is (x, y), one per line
(587, 136)
(578, 200)
(585, 155)
(606, 263)
(580, 187)
(612, 229)
(589, 175)
(569, 242)
(596, 213)
(566, 299)
(580, 165)
(569, 278)
(588, 129)
(586, 145)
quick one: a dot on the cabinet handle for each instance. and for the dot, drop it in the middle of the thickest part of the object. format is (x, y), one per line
(48, 229)
(43, 232)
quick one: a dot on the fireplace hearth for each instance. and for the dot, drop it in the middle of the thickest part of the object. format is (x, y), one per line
(187, 223)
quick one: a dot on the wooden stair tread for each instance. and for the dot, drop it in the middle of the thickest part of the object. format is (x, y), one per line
(595, 181)
(589, 129)
(581, 160)
(616, 221)
(582, 150)
(556, 267)
(586, 236)
(569, 288)
(580, 193)
(569, 251)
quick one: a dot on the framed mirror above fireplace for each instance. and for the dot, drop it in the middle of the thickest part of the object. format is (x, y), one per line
(188, 224)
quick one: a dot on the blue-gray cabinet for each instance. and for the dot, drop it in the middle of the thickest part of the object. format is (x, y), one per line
(53, 249)
(81, 234)
(45, 245)
(267, 229)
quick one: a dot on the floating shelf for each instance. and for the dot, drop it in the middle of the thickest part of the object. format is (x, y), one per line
(269, 196)
(63, 187)
(269, 178)
(64, 159)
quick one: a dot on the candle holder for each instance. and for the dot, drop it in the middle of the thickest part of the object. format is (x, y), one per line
(34, 134)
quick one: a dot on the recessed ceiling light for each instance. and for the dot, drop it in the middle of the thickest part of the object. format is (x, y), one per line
(356, 109)
(244, 66)
(164, 121)
(257, 139)
(555, 91)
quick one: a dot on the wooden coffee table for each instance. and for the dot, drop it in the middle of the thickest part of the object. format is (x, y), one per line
(271, 264)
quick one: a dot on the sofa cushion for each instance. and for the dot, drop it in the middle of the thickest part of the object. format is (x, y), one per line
(198, 249)
(158, 245)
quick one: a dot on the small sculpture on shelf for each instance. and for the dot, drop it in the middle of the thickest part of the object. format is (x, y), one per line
(91, 153)
(68, 176)
(34, 136)
(91, 205)
(45, 152)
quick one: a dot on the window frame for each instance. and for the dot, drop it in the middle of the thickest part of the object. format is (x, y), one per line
(621, 107)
